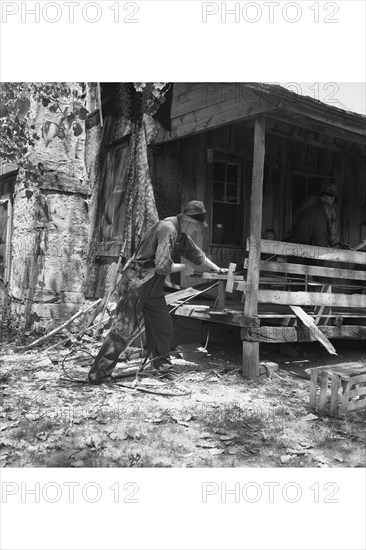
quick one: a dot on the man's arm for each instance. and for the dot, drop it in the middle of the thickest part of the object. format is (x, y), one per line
(208, 265)
(192, 252)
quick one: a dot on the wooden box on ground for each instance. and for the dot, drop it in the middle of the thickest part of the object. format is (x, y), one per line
(342, 388)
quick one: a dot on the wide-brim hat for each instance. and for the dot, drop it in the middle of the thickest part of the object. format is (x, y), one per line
(329, 189)
(194, 208)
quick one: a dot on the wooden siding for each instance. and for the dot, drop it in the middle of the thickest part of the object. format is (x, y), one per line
(183, 171)
(200, 107)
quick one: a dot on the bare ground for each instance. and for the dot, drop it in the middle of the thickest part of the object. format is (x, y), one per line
(225, 421)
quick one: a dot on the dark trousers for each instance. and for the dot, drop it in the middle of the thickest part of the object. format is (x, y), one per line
(137, 297)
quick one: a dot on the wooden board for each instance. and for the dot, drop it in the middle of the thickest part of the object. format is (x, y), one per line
(230, 278)
(181, 295)
(353, 369)
(301, 334)
(357, 405)
(334, 395)
(216, 115)
(235, 318)
(317, 271)
(279, 248)
(310, 324)
(313, 388)
(284, 297)
(323, 392)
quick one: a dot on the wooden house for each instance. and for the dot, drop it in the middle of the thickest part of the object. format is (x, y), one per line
(252, 152)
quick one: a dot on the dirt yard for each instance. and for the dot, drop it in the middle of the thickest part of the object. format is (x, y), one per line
(220, 420)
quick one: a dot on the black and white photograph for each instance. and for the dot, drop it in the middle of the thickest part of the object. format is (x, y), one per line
(182, 275)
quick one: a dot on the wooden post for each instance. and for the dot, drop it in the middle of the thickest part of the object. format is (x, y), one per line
(251, 349)
(221, 295)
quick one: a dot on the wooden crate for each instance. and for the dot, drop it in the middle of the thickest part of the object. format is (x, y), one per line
(342, 388)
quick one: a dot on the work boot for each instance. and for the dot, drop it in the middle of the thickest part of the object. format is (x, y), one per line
(95, 378)
(163, 367)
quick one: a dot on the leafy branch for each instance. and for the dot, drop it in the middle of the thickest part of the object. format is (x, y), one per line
(18, 133)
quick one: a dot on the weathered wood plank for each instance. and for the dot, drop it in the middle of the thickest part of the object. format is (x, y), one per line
(181, 295)
(334, 395)
(340, 123)
(317, 271)
(187, 99)
(313, 388)
(250, 359)
(345, 398)
(302, 334)
(359, 379)
(358, 391)
(323, 392)
(221, 295)
(310, 324)
(193, 96)
(251, 350)
(284, 297)
(216, 115)
(234, 318)
(361, 404)
(230, 278)
(279, 248)
(218, 276)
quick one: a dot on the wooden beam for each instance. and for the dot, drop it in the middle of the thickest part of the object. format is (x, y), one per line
(318, 127)
(279, 248)
(317, 271)
(218, 276)
(272, 335)
(251, 350)
(221, 295)
(352, 148)
(333, 125)
(233, 318)
(285, 297)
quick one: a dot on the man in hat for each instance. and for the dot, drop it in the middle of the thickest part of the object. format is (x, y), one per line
(142, 289)
(315, 221)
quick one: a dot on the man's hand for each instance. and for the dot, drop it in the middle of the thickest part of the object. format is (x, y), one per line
(222, 271)
(177, 268)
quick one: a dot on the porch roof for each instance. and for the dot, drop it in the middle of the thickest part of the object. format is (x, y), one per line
(197, 107)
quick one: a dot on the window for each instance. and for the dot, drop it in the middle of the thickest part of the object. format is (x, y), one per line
(226, 209)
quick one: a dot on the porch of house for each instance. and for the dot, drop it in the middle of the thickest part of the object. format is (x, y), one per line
(272, 297)
(336, 308)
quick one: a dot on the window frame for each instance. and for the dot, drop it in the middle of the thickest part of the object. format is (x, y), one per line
(227, 160)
